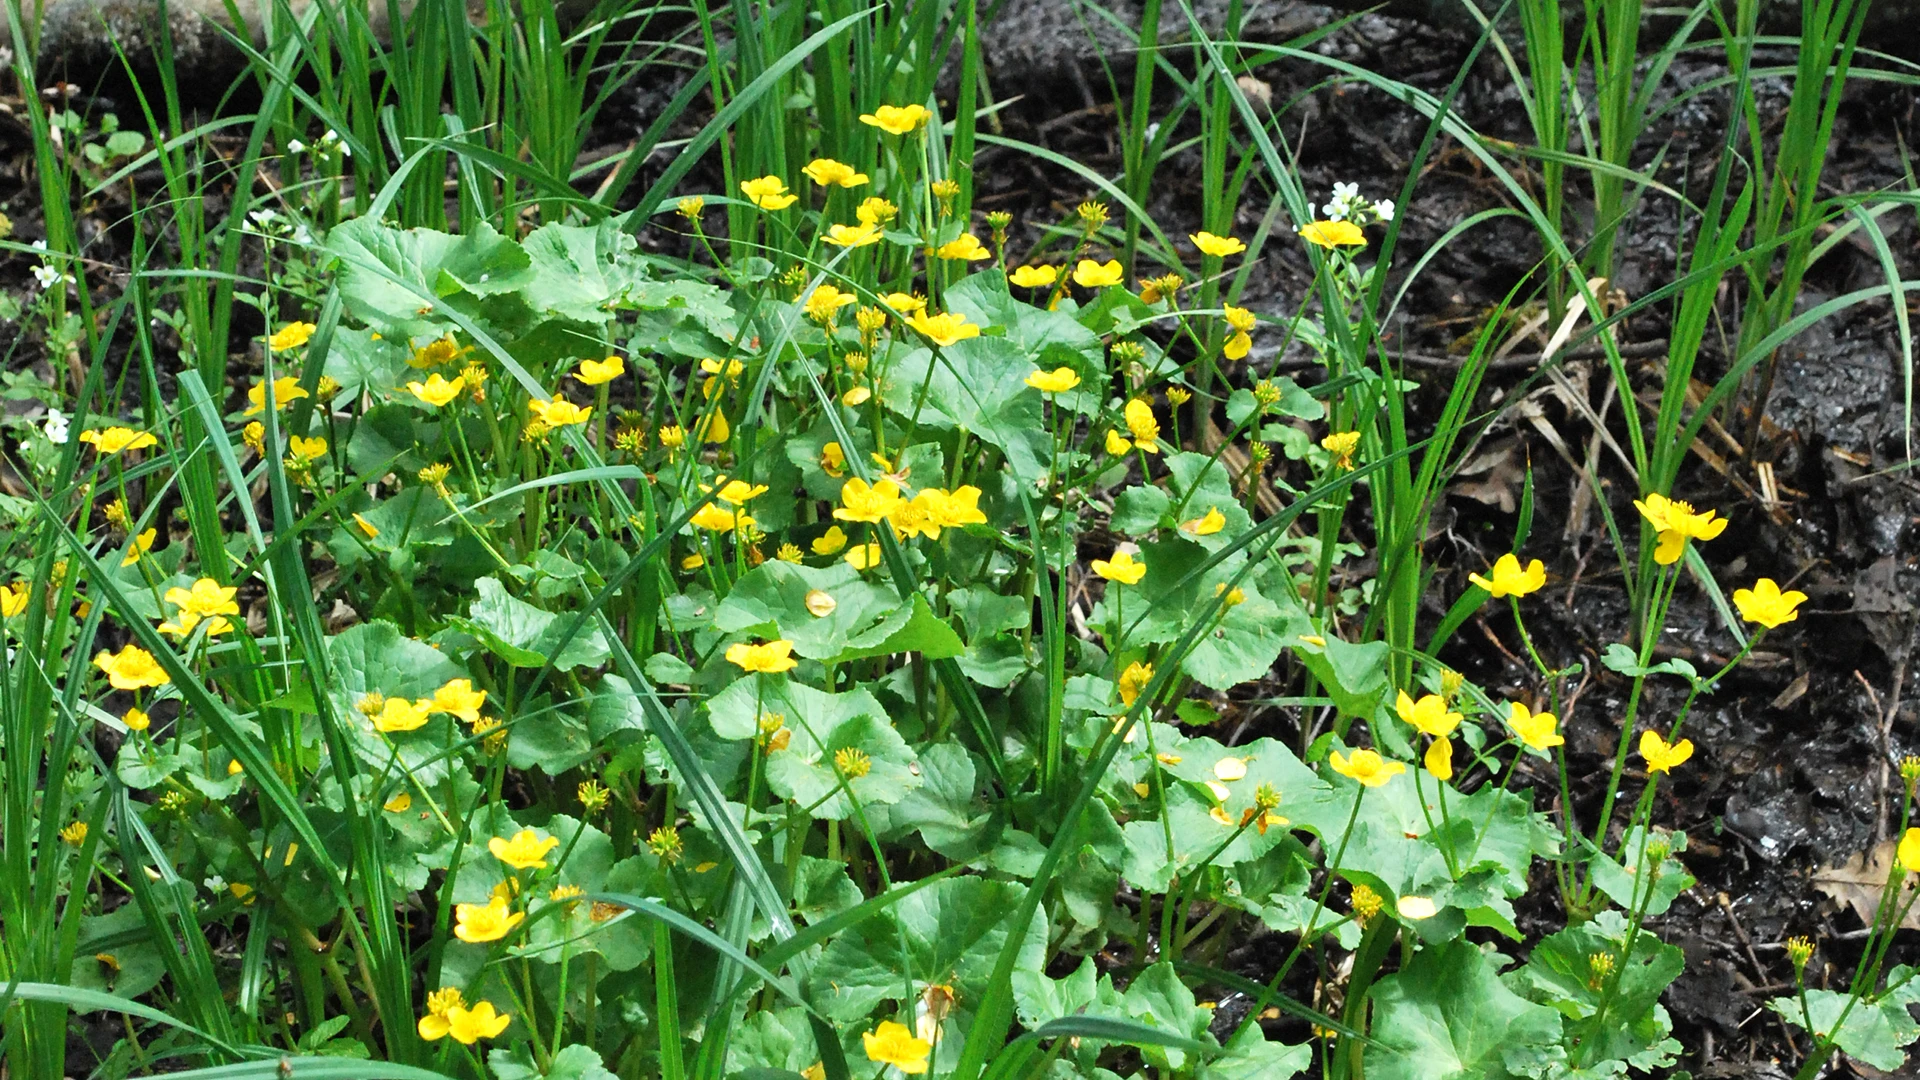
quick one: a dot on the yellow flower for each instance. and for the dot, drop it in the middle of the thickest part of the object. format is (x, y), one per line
(75, 833)
(526, 851)
(13, 599)
(307, 449)
(1242, 321)
(1133, 680)
(1439, 759)
(738, 492)
(1217, 246)
(1510, 580)
(1909, 851)
(1676, 523)
(1092, 275)
(559, 412)
(833, 460)
(768, 193)
(1430, 714)
(788, 553)
(905, 303)
(1369, 768)
(1535, 729)
(478, 924)
(1121, 568)
(1341, 444)
(286, 391)
(435, 353)
(714, 518)
(1416, 908)
(830, 541)
(1333, 234)
(183, 624)
(714, 430)
(860, 501)
(891, 1043)
(1116, 444)
(852, 236)
(136, 720)
(366, 526)
(897, 119)
(934, 509)
(1662, 757)
(1057, 381)
(399, 804)
(437, 391)
(459, 698)
(291, 336)
(1767, 605)
(1207, 524)
(693, 562)
(595, 372)
(944, 329)
(826, 302)
(141, 544)
(863, 557)
(874, 210)
(433, 1025)
(207, 597)
(399, 714)
(772, 656)
(830, 173)
(1145, 429)
(965, 246)
(117, 439)
(1035, 277)
(132, 668)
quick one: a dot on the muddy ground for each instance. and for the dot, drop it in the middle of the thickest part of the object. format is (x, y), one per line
(1797, 752)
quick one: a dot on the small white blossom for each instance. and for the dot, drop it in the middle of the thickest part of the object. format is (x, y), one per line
(49, 276)
(1384, 209)
(296, 147)
(264, 219)
(215, 884)
(56, 427)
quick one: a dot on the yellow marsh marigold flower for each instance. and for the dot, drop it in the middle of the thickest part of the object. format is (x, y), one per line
(1133, 680)
(435, 353)
(852, 236)
(892, 1044)
(1537, 730)
(897, 119)
(860, 501)
(286, 391)
(459, 698)
(183, 624)
(905, 303)
(874, 210)
(559, 412)
(739, 492)
(864, 557)
(936, 509)
(714, 518)
(833, 460)
(1145, 429)
(255, 436)
(1439, 759)
(13, 599)
(366, 526)
(772, 656)
(307, 449)
(852, 762)
(825, 303)
(1366, 904)
(1119, 444)
(1057, 381)
(1121, 568)
(1092, 215)
(437, 391)
(965, 246)
(1333, 234)
(115, 440)
(831, 541)
(944, 329)
(132, 668)
(1909, 851)
(136, 720)
(399, 804)
(1242, 321)
(945, 191)
(1206, 524)
(1430, 714)
(1367, 767)
(1154, 290)
(1217, 246)
(1676, 523)
(1035, 277)
(1510, 580)
(788, 553)
(768, 193)
(75, 834)
(665, 844)
(433, 1025)
(1092, 275)
(690, 207)
(139, 546)
(477, 924)
(1767, 605)
(526, 851)
(398, 714)
(830, 173)
(1341, 444)
(207, 597)
(1416, 908)
(291, 336)
(1660, 756)
(595, 372)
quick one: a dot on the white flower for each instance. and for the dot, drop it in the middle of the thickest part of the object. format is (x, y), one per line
(215, 884)
(263, 219)
(301, 234)
(1346, 192)
(1384, 208)
(56, 427)
(296, 147)
(48, 276)
(38, 245)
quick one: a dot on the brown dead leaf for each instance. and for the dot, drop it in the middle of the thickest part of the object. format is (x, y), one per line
(1861, 881)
